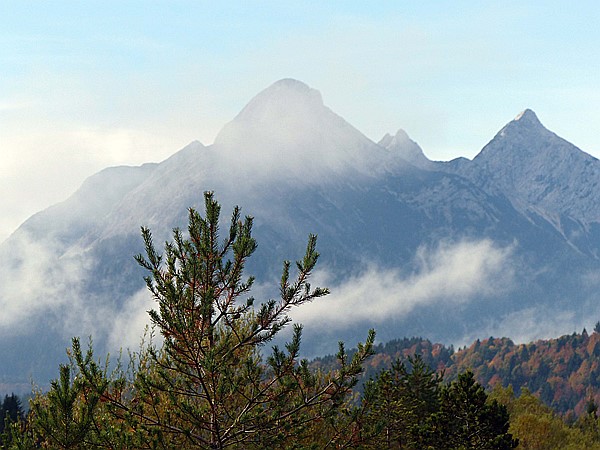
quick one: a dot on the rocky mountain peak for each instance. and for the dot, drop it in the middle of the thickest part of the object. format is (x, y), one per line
(538, 170)
(406, 148)
(520, 139)
(525, 126)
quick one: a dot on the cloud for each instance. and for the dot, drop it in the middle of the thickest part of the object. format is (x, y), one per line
(43, 283)
(35, 281)
(42, 168)
(449, 273)
(529, 324)
(126, 329)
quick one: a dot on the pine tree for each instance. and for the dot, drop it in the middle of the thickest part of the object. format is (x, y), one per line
(399, 403)
(467, 420)
(57, 413)
(11, 410)
(11, 417)
(207, 385)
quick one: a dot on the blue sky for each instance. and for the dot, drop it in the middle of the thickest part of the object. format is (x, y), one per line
(85, 85)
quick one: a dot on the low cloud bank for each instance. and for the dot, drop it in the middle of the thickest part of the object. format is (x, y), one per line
(128, 327)
(450, 273)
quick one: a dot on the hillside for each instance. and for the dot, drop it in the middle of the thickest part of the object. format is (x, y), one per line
(564, 373)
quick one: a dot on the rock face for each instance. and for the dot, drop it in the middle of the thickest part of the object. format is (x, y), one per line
(506, 242)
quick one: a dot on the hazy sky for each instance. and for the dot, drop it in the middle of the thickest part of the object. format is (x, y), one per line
(85, 85)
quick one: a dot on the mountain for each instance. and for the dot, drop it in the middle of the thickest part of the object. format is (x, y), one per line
(409, 246)
(543, 175)
(287, 132)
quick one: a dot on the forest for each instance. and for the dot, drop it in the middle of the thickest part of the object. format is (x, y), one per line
(564, 373)
(201, 377)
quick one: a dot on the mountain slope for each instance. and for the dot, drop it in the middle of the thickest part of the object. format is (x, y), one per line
(563, 372)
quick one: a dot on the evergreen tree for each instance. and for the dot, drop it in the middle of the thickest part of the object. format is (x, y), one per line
(11, 417)
(467, 420)
(11, 411)
(65, 417)
(399, 404)
(207, 385)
